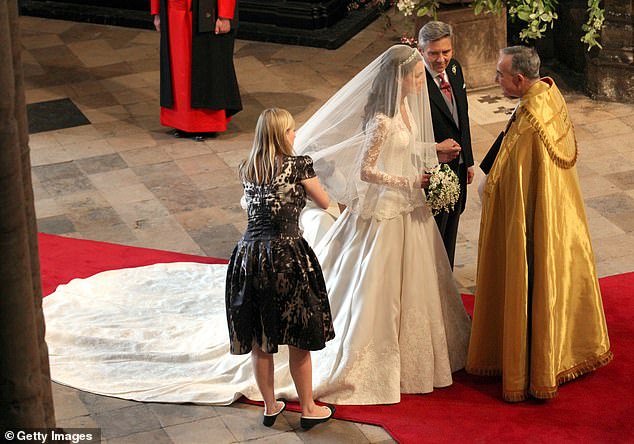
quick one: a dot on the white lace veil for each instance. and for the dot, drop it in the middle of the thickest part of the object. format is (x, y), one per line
(373, 139)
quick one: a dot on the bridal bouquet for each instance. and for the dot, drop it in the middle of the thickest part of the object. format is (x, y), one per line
(444, 189)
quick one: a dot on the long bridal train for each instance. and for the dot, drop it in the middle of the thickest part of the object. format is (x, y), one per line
(159, 333)
(156, 333)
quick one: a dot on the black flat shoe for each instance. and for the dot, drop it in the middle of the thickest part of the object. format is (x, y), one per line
(309, 422)
(177, 133)
(201, 137)
(269, 420)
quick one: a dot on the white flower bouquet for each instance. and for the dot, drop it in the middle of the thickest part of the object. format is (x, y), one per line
(407, 7)
(444, 189)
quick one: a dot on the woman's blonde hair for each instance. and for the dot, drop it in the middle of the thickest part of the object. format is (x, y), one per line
(270, 145)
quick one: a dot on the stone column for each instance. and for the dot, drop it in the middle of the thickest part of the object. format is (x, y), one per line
(610, 71)
(25, 387)
(566, 36)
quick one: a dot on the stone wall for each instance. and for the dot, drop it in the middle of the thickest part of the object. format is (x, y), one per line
(477, 41)
(610, 71)
(606, 73)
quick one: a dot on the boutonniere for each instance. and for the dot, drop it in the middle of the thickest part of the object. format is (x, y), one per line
(453, 69)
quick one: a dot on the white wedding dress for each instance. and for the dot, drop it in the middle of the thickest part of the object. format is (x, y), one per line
(159, 333)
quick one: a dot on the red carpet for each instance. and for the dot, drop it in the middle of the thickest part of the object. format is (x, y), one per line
(596, 408)
(64, 258)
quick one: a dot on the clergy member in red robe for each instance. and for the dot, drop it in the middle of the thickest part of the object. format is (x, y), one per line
(199, 89)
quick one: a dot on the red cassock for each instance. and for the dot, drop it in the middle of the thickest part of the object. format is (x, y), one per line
(181, 115)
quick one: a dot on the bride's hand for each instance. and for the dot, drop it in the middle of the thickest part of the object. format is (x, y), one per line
(424, 181)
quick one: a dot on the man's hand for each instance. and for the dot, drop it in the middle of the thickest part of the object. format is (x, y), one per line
(157, 22)
(223, 25)
(447, 150)
(470, 174)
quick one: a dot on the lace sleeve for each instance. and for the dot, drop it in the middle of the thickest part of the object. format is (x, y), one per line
(376, 135)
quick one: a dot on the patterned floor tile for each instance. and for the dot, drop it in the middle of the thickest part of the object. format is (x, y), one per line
(120, 177)
(54, 115)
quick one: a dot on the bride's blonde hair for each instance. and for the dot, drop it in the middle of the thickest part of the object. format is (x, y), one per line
(270, 145)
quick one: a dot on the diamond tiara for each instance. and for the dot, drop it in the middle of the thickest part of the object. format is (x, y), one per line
(411, 57)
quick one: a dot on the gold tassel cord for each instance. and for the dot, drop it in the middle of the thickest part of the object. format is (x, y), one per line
(562, 161)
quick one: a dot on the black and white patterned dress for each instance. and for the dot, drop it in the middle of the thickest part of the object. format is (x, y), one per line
(275, 291)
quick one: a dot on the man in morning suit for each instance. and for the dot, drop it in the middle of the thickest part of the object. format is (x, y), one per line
(449, 111)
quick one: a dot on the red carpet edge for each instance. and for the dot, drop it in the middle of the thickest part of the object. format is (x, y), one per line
(596, 408)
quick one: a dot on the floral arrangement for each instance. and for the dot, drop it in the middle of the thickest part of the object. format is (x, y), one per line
(444, 189)
(537, 15)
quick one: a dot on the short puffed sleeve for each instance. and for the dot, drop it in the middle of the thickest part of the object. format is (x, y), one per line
(304, 165)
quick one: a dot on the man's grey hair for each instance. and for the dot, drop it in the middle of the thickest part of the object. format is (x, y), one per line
(524, 61)
(432, 31)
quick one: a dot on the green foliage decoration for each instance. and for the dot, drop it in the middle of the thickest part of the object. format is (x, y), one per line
(537, 15)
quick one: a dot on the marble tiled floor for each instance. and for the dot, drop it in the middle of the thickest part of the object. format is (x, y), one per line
(122, 179)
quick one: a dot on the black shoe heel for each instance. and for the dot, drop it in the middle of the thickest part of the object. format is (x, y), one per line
(308, 423)
(269, 420)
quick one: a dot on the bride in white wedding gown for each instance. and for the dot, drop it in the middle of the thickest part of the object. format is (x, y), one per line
(159, 333)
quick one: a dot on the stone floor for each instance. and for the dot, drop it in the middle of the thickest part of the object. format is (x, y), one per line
(105, 169)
